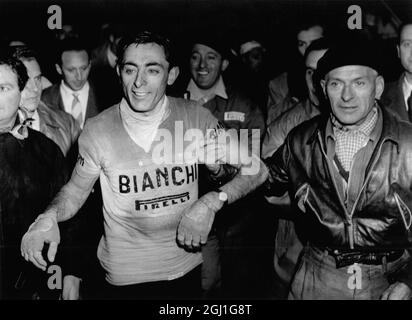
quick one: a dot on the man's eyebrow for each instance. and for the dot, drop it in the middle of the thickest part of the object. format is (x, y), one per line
(343, 80)
(154, 64)
(129, 64)
(148, 64)
(6, 84)
(334, 78)
(207, 53)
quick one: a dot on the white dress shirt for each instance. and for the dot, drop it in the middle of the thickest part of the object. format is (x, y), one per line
(35, 124)
(407, 89)
(67, 97)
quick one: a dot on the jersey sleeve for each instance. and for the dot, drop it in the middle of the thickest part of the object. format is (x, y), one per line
(88, 163)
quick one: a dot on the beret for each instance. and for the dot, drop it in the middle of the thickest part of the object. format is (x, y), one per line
(347, 53)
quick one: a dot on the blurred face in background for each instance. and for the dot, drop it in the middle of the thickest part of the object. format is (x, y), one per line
(31, 94)
(311, 65)
(74, 69)
(306, 37)
(254, 59)
(405, 50)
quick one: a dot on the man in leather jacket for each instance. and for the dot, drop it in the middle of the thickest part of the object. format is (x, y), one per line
(350, 175)
(32, 170)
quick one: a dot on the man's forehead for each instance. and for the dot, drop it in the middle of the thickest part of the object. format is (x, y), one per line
(145, 53)
(351, 71)
(312, 33)
(406, 33)
(313, 57)
(198, 47)
(32, 65)
(74, 55)
(7, 75)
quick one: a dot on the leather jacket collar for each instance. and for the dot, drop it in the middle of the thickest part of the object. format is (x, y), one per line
(390, 129)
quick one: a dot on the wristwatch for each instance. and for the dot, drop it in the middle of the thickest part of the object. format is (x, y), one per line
(222, 197)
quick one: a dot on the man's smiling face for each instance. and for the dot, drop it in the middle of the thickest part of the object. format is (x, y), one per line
(206, 64)
(144, 73)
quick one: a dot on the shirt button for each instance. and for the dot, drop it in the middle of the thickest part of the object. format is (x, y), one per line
(140, 163)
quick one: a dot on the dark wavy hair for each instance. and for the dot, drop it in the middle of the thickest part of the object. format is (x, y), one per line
(23, 53)
(16, 66)
(144, 37)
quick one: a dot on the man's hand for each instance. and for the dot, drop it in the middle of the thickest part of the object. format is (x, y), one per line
(213, 155)
(43, 230)
(397, 291)
(71, 288)
(197, 221)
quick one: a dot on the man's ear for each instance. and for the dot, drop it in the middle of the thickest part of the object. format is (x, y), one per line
(118, 70)
(225, 64)
(58, 69)
(398, 50)
(379, 86)
(323, 85)
(173, 74)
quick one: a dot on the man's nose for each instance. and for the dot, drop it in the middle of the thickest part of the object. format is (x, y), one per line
(347, 93)
(140, 79)
(33, 86)
(79, 75)
(202, 63)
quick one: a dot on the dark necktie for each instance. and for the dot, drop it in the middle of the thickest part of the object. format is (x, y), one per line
(409, 101)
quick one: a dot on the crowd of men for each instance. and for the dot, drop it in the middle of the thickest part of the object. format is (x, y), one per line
(142, 178)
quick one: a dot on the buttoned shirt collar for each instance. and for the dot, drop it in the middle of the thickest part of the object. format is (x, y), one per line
(197, 94)
(35, 123)
(369, 128)
(67, 97)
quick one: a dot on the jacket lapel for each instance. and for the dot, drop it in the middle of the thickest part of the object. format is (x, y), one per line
(397, 102)
(57, 97)
(91, 109)
(47, 123)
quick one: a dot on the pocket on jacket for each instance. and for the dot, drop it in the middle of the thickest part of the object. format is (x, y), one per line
(303, 197)
(404, 211)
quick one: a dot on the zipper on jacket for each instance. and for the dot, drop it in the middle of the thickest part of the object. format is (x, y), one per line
(351, 233)
(367, 178)
(350, 228)
(332, 177)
